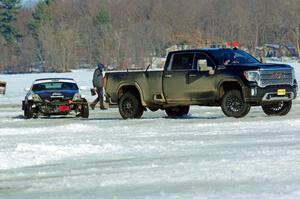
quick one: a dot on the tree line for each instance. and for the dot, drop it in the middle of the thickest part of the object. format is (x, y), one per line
(57, 35)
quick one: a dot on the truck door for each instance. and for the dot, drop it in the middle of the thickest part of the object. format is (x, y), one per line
(175, 77)
(200, 83)
(184, 80)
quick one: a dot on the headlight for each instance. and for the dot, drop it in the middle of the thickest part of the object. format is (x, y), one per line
(251, 76)
(77, 97)
(34, 97)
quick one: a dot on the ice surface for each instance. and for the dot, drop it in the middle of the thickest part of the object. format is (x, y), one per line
(204, 155)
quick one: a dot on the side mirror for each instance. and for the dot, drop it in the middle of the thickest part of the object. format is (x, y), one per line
(27, 89)
(202, 66)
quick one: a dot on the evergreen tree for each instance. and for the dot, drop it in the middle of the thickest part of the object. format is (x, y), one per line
(103, 27)
(40, 15)
(102, 21)
(8, 12)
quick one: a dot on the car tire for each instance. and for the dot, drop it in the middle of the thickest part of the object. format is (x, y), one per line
(277, 109)
(233, 104)
(130, 106)
(177, 111)
(85, 110)
(28, 111)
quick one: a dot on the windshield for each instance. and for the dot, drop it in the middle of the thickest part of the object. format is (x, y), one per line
(232, 56)
(54, 86)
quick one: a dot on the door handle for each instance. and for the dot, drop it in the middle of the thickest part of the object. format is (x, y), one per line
(192, 75)
(168, 76)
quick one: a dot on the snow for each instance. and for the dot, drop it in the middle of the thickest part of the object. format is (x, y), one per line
(204, 155)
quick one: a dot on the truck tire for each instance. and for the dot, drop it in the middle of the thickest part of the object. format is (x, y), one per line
(130, 106)
(233, 104)
(177, 111)
(28, 111)
(277, 109)
(85, 110)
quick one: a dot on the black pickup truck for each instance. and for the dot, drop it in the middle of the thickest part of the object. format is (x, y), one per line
(230, 78)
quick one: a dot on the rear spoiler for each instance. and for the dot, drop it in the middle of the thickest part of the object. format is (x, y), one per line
(2, 88)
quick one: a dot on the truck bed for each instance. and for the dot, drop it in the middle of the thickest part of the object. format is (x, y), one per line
(149, 83)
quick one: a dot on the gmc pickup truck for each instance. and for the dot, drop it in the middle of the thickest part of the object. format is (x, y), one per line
(230, 78)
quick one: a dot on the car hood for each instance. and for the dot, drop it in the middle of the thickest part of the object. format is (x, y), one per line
(257, 66)
(56, 94)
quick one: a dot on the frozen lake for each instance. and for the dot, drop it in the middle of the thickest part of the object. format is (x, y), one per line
(205, 155)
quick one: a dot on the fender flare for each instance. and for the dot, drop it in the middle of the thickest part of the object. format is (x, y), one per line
(136, 85)
(235, 80)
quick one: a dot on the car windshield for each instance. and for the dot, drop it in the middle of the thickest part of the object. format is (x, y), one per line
(54, 86)
(232, 56)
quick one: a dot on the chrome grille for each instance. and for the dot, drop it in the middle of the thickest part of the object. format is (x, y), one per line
(275, 77)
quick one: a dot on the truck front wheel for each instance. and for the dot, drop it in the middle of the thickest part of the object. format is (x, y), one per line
(130, 106)
(277, 109)
(233, 104)
(177, 111)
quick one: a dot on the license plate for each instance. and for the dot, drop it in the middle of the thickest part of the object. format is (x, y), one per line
(281, 92)
(62, 108)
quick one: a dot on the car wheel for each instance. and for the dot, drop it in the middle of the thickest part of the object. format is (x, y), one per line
(177, 111)
(277, 109)
(130, 106)
(233, 104)
(28, 111)
(85, 110)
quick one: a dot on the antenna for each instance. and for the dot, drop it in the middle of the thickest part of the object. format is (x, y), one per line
(148, 67)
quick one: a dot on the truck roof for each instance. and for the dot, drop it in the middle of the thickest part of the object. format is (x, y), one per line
(200, 50)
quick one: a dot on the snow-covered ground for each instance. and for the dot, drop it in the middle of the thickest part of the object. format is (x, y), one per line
(205, 155)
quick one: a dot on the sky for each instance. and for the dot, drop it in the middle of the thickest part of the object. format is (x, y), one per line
(28, 2)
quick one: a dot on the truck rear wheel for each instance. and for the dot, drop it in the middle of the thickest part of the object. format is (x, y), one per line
(233, 104)
(28, 111)
(277, 109)
(177, 111)
(130, 106)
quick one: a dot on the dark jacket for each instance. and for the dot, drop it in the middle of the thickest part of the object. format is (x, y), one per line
(98, 78)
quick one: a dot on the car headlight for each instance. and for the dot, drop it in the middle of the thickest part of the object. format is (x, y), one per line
(34, 97)
(77, 97)
(251, 76)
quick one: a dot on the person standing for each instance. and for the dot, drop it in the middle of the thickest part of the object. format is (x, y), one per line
(98, 86)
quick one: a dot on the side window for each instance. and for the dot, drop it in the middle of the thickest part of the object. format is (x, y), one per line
(182, 61)
(203, 56)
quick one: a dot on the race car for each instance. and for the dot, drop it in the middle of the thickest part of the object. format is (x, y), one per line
(54, 96)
